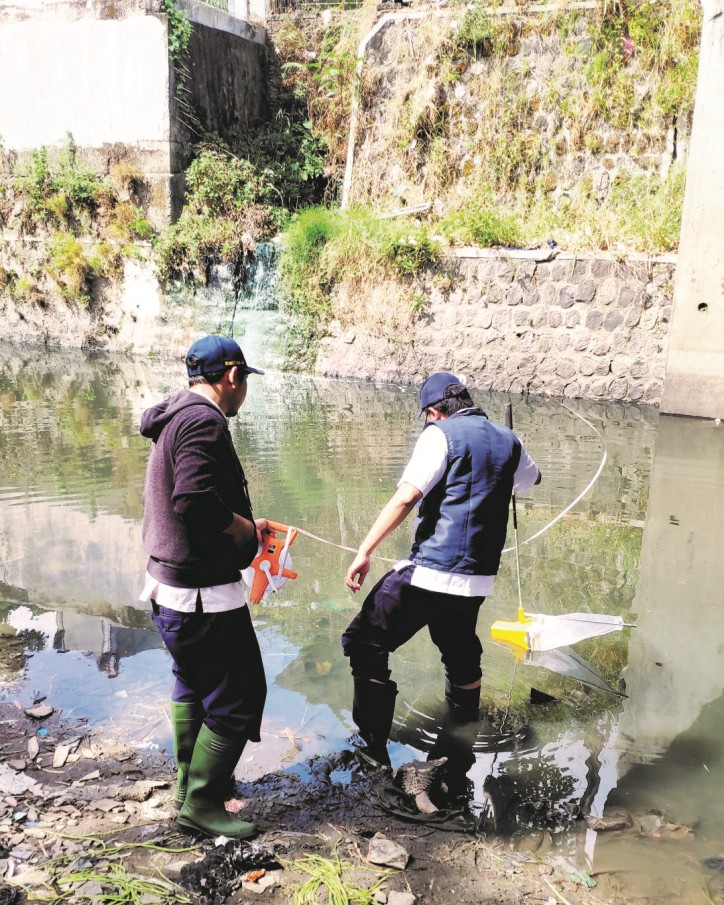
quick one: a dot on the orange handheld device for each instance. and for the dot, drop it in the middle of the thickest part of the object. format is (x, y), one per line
(271, 566)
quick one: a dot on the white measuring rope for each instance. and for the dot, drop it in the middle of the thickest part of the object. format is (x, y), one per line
(266, 569)
(528, 540)
(331, 543)
(580, 495)
(283, 554)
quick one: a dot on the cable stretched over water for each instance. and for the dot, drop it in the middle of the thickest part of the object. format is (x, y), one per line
(323, 540)
(527, 540)
(580, 496)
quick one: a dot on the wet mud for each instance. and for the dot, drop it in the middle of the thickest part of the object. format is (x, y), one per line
(74, 804)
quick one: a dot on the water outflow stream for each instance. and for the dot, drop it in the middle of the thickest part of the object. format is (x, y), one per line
(325, 455)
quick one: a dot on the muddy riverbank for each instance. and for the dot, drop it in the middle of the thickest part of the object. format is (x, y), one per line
(82, 815)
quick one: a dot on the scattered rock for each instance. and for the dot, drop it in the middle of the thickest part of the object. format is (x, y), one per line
(18, 765)
(654, 826)
(22, 853)
(40, 711)
(33, 748)
(120, 818)
(90, 890)
(173, 869)
(141, 790)
(385, 852)
(401, 898)
(105, 804)
(60, 755)
(34, 876)
(90, 776)
(13, 783)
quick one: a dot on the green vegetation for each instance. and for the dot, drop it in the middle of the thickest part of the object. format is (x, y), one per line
(179, 30)
(325, 84)
(558, 121)
(456, 111)
(65, 194)
(227, 202)
(481, 224)
(69, 267)
(120, 886)
(326, 874)
(324, 247)
(87, 227)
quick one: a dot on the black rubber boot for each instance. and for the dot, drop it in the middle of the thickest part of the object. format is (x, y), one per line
(456, 738)
(203, 811)
(186, 720)
(373, 707)
(463, 703)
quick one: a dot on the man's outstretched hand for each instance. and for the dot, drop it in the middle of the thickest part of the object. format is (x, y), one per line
(357, 572)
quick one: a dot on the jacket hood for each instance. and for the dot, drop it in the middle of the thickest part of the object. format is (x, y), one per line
(158, 416)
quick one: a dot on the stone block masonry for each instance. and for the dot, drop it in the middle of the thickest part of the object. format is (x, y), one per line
(575, 326)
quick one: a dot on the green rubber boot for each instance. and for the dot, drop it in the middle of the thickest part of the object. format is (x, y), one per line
(186, 720)
(203, 811)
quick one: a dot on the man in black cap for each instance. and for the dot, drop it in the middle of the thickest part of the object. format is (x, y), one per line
(199, 532)
(462, 472)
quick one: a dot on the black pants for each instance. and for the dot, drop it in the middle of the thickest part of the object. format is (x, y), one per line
(217, 663)
(394, 611)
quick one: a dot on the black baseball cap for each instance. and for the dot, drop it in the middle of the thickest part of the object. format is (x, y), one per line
(433, 389)
(215, 354)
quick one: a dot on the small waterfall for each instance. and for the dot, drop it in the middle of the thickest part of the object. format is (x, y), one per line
(241, 300)
(259, 279)
(255, 320)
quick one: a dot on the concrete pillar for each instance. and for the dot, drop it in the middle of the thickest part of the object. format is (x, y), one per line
(695, 366)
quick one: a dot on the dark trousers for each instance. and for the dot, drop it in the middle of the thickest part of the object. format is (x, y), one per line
(394, 611)
(217, 663)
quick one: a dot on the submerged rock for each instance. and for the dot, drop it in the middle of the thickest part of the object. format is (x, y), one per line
(618, 820)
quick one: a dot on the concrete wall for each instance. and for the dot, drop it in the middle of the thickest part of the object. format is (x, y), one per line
(129, 315)
(695, 368)
(229, 97)
(66, 69)
(100, 70)
(585, 326)
(103, 81)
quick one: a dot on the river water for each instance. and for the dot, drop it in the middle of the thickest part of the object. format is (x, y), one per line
(645, 543)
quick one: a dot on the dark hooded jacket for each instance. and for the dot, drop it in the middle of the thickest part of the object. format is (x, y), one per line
(194, 485)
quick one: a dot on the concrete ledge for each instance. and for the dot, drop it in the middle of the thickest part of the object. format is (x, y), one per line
(547, 254)
(201, 14)
(700, 396)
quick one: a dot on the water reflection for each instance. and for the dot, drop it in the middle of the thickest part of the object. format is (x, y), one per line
(325, 455)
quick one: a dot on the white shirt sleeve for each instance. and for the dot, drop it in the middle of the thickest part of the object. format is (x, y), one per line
(428, 461)
(526, 472)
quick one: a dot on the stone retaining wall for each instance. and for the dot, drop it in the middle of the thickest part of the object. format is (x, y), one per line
(576, 326)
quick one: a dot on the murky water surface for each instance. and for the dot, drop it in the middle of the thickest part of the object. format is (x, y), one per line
(325, 455)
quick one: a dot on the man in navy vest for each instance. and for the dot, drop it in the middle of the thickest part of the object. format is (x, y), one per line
(463, 472)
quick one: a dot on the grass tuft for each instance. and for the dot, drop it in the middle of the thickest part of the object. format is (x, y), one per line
(325, 877)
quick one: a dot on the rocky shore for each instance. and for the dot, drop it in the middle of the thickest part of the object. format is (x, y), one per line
(84, 819)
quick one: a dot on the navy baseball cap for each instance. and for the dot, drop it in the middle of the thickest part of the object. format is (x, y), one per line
(214, 354)
(433, 389)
